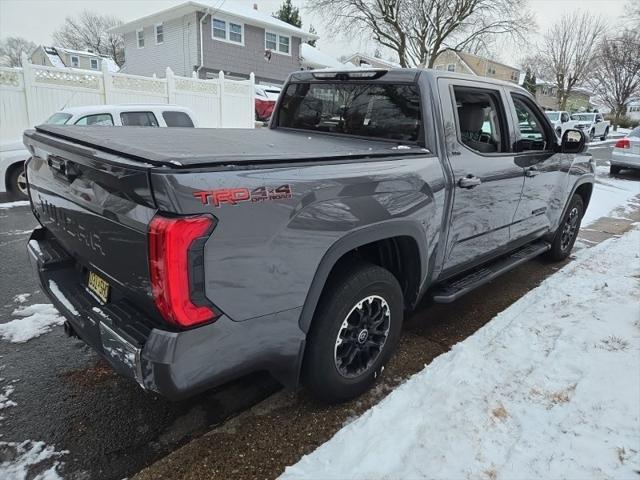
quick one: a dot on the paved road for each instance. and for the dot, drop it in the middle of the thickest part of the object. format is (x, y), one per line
(68, 398)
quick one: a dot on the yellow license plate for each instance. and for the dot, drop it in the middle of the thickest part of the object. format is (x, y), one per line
(99, 286)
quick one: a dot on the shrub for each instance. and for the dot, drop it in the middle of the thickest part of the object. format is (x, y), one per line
(623, 122)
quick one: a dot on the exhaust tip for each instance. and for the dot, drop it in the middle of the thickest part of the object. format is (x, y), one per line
(69, 330)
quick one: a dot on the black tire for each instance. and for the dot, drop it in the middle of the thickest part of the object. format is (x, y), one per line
(614, 169)
(17, 182)
(592, 135)
(567, 232)
(559, 132)
(606, 134)
(353, 302)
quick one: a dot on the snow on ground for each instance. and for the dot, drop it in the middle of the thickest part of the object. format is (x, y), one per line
(548, 389)
(21, 460)
(19, 203)
(34, 321)
(609, 194)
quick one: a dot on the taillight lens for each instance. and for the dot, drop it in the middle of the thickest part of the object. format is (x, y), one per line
(169, 242)
(623, 143)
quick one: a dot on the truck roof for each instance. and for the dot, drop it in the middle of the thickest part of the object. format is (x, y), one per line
(403, 75)
(205, 146)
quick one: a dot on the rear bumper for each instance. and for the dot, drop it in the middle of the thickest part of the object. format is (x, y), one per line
(624, 159)
(174, 364)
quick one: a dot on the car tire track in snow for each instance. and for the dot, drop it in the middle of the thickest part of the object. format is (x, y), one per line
(261, 442)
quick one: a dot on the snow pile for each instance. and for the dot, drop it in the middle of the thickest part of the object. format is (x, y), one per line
(20, 460)
(19, 203)
(35, 320)
(548, 389)
(5, 402)
(21, 297)
(609, 194)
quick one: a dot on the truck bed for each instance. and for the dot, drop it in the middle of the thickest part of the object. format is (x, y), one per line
(190, 147)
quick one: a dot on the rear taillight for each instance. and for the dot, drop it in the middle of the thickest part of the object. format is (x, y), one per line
(623, 143)
(172, 242)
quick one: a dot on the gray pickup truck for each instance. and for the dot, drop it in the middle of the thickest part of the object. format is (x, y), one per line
(190, 257)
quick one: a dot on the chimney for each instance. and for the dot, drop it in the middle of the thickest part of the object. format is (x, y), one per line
(255, 6)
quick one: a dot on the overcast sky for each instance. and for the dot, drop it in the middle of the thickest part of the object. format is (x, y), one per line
(37, 19)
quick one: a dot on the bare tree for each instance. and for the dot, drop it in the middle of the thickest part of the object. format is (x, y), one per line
(419, 30)
(632, 12)
(568, 51)
(11, 49)
(89, 31)
(615, 78)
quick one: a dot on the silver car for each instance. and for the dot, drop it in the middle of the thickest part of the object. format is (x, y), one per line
(626, 152)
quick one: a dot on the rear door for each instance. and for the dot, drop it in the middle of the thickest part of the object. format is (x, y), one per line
(534, 144)
(488, 182)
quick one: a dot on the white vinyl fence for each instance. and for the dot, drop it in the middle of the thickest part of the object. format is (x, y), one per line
(29, 95)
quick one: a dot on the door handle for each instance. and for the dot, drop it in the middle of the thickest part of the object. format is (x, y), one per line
(531, 172)
(470, 181)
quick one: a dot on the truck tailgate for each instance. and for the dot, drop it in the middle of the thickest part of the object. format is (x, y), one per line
(97, 207)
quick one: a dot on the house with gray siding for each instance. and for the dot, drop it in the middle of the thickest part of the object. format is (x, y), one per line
(196, 37)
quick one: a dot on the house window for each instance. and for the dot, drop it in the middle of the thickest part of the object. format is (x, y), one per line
(277, 43)
(270, 41)
(140, 37)
(451, 67)
(75, 61)
(491, 70)
(94, 63)
(219, 29)
(283, 44)
(235, 32)
(159, 34)
(228, 31)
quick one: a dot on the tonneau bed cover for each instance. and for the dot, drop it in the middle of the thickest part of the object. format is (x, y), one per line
(206, 146)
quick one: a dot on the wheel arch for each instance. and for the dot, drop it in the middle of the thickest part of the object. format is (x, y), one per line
(405, 243)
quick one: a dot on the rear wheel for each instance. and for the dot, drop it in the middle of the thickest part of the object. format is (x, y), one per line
(614, 169)
(354, 332)
(606, 134)
(17, 182)
(568, 230)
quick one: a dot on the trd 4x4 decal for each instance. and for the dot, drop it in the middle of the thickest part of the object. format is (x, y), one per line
(233, 196)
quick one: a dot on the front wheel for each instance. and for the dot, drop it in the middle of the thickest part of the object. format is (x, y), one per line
(567, 232)
(354, 332)
(592, 135)
(17, 182)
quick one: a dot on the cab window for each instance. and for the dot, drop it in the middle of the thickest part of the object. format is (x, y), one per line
(530, 131)
(100, 119)
(480, 120)
(565, 117)
(58, 119)
(177, 119)
(138, 119)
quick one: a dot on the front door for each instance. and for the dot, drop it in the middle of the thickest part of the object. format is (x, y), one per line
(488, 182)
(544, 194)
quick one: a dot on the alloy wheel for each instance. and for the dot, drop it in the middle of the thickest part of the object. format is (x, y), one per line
(570, 228)
(362, 336)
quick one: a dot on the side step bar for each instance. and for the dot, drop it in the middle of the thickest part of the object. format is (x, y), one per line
(452, 290)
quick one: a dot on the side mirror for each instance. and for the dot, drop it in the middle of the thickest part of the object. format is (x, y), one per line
(573, 141)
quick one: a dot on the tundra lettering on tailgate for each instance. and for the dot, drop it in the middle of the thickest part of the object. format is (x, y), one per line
(233, 196)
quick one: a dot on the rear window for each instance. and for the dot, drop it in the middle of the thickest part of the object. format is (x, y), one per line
(177, 119)
(635, 132)
(367, 110)
(58, 119)
(138, 119)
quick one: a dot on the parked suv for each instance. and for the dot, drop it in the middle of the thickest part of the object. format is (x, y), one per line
(189, 258)
(13, 155)
(592, 124)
